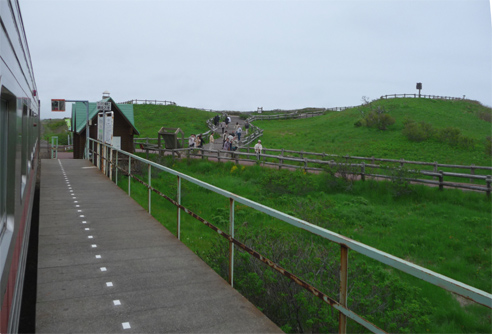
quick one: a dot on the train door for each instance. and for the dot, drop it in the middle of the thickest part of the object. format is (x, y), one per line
(3, 165)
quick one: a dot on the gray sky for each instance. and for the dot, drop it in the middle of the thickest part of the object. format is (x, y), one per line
(240, 55)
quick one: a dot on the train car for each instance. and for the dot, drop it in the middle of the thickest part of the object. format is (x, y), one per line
(19, 156)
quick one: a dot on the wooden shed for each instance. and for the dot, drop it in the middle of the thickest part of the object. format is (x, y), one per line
(123, 125)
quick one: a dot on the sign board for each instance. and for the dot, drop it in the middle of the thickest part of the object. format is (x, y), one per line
(58, 105)
(103, 106)
(105, 132)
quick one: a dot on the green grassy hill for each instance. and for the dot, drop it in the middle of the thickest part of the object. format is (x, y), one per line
(335, 132)
(55, 127)
(150, 118)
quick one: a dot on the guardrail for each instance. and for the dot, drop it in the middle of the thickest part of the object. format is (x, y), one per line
(110, 160)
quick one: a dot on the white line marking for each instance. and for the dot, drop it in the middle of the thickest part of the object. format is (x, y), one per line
(84, 222)
(126, 325)
(108, 284)
(71, 191)
(116, 302)
(81, 216)
(103, 269)
(88, 167)
(77, 206)
(90, 237)
(87, 229)
(79, 210)
(94, 246)
(98, 256)
(75, 201)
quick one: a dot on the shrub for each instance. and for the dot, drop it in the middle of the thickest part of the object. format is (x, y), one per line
(379, 119)
(488, 145)
(417, 131)
(449, 135)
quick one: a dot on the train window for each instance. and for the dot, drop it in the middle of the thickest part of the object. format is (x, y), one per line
(24, 153)
(3, 165)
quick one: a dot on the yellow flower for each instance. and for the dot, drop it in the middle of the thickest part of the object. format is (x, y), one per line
(233, 169)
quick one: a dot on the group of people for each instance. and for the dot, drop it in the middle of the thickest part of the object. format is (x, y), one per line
(195, 141)
(230, 141)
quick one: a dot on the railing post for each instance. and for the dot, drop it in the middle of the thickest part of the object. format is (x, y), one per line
(363, 171)
(116, 170)
(129, 174)
(441, 180)
(150, 187)
(472, 172)
(178, 232)
(342, 318)
(111, 164)
(231, 244)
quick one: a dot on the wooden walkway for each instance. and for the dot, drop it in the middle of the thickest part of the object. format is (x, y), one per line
(106, 265)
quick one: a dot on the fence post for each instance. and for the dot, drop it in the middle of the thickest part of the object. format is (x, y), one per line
(218, 155)
(489, 181)
(441, 180)
(435, 168)
(178, 231)
(281, 161)
(231, 244)
(150, 187)
(472, 172)
(402, 161)
(342, 318)
(363, 171)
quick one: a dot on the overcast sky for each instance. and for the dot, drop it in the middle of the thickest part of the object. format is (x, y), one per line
(240, 55)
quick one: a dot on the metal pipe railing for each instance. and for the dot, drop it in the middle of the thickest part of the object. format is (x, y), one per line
(346, 244)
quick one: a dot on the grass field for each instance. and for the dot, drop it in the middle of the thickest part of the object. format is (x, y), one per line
(448, 232)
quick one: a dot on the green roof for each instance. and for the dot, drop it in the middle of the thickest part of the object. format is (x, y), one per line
(79, 113)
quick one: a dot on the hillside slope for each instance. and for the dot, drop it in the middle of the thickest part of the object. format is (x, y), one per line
(150, 118)
(336, 133)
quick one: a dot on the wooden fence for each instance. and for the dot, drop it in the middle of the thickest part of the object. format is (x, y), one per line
(157, 102)
(362, 168)
(392, 96)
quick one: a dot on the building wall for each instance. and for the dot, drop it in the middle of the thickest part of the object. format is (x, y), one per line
(121, 128)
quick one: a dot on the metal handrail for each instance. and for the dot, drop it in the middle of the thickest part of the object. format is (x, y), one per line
(449, 284)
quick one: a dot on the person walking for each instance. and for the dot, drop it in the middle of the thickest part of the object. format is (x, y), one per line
(211, 141)
(246, 127)
(238, 133)
(223, 126)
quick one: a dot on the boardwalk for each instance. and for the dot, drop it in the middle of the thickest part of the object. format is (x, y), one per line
(105, 265)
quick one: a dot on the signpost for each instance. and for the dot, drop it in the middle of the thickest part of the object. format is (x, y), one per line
(419, 87)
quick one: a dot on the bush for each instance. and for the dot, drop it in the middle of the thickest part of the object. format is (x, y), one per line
(453, 137)
(400, 306)
(417, 131)
(379, 119)
(450, 135)
(488, 145)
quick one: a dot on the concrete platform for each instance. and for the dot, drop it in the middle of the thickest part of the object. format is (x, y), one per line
(105, 265)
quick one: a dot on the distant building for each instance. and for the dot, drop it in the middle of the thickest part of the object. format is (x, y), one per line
(123, 126)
